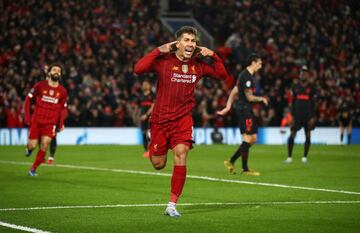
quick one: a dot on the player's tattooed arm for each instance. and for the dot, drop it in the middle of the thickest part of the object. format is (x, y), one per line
(229, 102)
(250, 97)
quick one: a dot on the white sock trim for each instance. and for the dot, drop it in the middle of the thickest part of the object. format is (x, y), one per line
(171, 204)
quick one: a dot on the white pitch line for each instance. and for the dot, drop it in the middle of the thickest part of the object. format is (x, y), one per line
(182, 204)
(192, 177)
(22, 228)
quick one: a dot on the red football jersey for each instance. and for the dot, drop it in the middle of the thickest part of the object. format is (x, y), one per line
(50, 103)
(176, 82)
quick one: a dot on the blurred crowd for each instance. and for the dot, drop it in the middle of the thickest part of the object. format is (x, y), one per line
(322, 34)
(100, 41)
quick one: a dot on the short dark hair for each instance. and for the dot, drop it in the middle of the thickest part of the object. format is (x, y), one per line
(251, 58)
(185, 29)
(56, 65)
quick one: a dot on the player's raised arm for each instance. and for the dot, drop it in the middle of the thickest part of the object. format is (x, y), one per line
(146, 63)
(229, 102)
(217, 69)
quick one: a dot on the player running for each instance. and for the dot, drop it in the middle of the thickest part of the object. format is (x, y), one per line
(50, 109)
(303, 111)
(247, 120)
(179, 68)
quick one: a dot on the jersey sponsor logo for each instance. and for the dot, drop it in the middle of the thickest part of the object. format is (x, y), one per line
(248, 83)
(183, 78)
(49, 99)
(185, 68)
(302, 97)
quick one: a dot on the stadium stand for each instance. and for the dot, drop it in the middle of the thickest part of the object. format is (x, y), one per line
(99, 41)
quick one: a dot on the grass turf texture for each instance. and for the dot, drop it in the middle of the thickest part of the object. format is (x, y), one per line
(329, 167)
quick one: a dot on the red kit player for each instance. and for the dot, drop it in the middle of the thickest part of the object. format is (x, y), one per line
(179, 68)
(49, 114)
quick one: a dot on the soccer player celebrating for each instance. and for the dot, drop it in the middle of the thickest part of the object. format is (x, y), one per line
(50, 109)
(247, 120)
(53, 143)
(146, 102)
(303, 111)
(179, 68)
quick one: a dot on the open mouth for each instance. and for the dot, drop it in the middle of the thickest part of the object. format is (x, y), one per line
(188, 51)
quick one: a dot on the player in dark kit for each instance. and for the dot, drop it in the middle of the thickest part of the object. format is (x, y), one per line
(179, 68)
(247, 120)
(345, 120)
(146, 102)
(303, 111)
(49, 113)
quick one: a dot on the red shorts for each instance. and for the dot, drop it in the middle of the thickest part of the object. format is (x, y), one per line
(167, 135)
(37, 130)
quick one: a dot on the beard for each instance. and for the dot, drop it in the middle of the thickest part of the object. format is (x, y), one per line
(54, 77)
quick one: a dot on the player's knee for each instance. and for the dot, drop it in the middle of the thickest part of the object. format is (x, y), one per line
(31, 146)
(158, 162)
(307, 140)
(44, 146)
(159, 165)
(253, 140)
(181, 150)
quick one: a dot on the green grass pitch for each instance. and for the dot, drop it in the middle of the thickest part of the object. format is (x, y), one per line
(100, 177)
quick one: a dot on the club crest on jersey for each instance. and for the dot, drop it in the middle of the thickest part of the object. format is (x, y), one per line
(185, 68)
(51, 92)
(248, 84)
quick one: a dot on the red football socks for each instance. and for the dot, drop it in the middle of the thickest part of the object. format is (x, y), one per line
(177, 182)
(39, 159)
